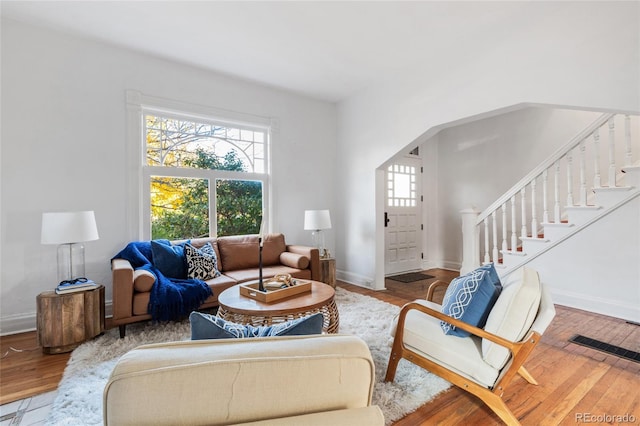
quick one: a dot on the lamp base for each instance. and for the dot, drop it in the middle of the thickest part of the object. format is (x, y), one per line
(70, 261)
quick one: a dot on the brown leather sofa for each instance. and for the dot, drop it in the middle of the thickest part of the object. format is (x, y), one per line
(237, 261)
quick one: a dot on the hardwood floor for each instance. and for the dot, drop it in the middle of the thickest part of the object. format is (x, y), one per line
(575, 382)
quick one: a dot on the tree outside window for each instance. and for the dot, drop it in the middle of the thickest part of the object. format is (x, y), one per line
(232, 158)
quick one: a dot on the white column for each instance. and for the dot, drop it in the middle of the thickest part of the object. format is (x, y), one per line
(514, 235)
(534, 213)
(556, 196)
(612, 154)
(545, 207)
(487, 259)
(470, 241)
(627, 140)
(569, 179)
(505, 246)
(597, 181)
(494, 253)
(523, 208)
(583, 178)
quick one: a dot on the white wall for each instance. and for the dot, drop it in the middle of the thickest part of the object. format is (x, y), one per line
(578, 54)
(63, 148)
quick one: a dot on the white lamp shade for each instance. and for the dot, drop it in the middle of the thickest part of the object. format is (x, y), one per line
(68, 227)
(317, 219)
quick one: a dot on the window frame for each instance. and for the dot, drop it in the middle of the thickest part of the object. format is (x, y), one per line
(138, 106)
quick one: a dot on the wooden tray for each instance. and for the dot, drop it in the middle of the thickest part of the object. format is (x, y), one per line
(251, 291)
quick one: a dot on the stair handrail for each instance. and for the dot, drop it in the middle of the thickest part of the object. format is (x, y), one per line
(544, 165)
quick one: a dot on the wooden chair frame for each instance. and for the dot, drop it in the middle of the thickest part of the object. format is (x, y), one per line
(520, 351)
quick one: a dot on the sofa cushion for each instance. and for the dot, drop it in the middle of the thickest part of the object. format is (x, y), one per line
(294, 260)
(512, 315)
(470, 298)
(242, 251)
(202, 263)
(169, 259)
(143, 280)
(205, 326)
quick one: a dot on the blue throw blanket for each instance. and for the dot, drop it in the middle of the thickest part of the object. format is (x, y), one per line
(171, 299)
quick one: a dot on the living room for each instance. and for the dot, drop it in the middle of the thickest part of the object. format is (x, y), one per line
(66, 143)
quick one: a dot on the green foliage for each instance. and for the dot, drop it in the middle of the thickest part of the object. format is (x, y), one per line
(180, 207)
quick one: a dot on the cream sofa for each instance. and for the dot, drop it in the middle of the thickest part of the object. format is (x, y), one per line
(237, 262)
(295, 380)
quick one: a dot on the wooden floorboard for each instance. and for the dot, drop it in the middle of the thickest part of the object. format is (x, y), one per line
(572, 379)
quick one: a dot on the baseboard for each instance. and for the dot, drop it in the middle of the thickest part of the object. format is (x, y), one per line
(598, 305)
(355, 279)
(22, 323)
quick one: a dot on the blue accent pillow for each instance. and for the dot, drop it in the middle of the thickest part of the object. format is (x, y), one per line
(470, 298)
(169, 259)
(206, 326)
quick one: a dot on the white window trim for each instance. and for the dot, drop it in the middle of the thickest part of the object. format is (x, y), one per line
(138, 176)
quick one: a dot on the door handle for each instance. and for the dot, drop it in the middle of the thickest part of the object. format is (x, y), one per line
(386, 219)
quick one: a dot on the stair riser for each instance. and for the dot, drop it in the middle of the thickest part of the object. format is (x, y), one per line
(606, 197)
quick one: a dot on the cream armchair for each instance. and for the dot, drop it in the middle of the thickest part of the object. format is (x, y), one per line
(484, 363)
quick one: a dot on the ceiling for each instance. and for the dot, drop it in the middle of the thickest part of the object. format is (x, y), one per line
(325, 50)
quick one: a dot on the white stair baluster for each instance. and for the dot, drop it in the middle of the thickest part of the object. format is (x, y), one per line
(597, 181)
(514, 235)
(505, 247)
(612, 154)
(545, 207)
(486, 240)
(569, 179)
(556, 196)
(494, 253)
(523, 195)
(583, 178)
(627, 137)
(534, 213)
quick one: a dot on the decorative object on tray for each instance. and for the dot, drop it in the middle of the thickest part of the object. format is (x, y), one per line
(278, 287)
(77, 284)
(260, 243)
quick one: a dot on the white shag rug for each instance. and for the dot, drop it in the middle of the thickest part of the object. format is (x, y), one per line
(79, 398)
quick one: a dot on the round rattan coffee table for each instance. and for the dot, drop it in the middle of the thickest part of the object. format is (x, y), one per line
(240, 309)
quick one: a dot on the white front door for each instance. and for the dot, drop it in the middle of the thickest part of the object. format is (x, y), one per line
(403, 212)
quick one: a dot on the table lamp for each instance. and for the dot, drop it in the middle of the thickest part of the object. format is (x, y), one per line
(69, 229)
(316, 221)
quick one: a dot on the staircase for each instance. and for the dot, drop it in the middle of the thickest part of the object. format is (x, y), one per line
(580, 184)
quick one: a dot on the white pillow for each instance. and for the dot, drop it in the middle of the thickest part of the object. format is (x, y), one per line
(512, 315)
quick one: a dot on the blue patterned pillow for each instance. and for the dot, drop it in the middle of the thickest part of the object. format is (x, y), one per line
(205, 326)
(169, 260)
(470, 298)
(201, 263)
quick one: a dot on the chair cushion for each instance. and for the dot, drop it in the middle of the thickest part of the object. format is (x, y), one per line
(470, 298)
(512, 314)
(422, 334)
(205, 326)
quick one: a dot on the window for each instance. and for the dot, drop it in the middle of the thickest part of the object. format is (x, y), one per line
(401, 186)
(202, 177)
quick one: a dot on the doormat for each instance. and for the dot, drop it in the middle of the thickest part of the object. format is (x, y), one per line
(410, 277)
(605, 347)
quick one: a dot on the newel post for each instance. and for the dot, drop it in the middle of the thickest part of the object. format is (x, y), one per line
(470, 240)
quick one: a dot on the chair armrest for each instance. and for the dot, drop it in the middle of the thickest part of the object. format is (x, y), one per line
(432, 288)
(122, 275)
(314, 258)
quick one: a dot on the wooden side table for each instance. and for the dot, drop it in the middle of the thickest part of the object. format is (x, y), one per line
(328, 271)
(64, 321)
